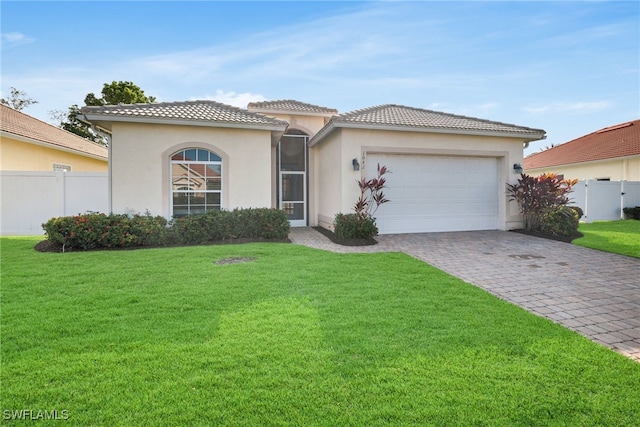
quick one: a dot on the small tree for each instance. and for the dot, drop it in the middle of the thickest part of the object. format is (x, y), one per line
(17, 100)
(538, 196)
(113, 93)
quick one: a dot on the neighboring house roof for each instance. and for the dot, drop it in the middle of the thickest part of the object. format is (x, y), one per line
(17, 125)
(197, 113)
(399, 117)
(622, 140)
(291, 106)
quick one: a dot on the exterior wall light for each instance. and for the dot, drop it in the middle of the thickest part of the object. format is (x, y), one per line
(517, 168)
(355, 164)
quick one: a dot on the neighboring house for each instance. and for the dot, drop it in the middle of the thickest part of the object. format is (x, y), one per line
(448, 172)
(28, 144)
(609, 154)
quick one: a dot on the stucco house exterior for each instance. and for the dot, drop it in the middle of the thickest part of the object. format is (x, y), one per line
(448, 172)
(609, 154)
(28, 144)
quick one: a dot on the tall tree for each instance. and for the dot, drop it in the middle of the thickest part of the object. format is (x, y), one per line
(119, 93)
(113, 93)
(17, 100)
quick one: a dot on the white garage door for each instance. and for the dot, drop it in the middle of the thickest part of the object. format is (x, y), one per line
(437, 193)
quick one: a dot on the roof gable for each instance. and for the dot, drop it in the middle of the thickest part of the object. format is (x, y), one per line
(23, 126)
(200, 113)
(291, 106)
(622, 140)
(400, 117)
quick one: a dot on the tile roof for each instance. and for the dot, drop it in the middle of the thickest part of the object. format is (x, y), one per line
(188, 112)
(400, 117)
(290, 105)
(16, 123)
(620, 140)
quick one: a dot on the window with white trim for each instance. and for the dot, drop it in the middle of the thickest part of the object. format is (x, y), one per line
(196, 182)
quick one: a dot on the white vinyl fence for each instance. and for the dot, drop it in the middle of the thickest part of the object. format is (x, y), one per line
(29, 199)
(604, 200)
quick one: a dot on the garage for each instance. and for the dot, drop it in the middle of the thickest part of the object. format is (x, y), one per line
(437, 193)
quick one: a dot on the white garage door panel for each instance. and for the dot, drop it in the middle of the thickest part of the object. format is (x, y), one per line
(434, 193)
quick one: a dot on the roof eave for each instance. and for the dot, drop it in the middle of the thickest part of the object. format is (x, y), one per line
(51, 145)
(525, 137)
(586, 162)
(104, 120)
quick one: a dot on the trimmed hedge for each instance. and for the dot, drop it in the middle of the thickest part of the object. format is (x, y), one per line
(632, 213)
(262, 223)
(98, 230)
(102, 231)
(354, 226)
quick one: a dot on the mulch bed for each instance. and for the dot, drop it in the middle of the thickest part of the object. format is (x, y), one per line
(47, 246)
(345, 242)
(546, 236)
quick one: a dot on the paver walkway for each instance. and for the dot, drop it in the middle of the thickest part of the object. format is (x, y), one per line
(594, 293)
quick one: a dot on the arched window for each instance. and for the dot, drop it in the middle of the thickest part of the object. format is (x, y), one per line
(196, 182)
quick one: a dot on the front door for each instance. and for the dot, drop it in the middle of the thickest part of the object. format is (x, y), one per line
(292, 179)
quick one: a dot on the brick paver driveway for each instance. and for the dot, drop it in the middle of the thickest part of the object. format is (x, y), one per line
(596, 294)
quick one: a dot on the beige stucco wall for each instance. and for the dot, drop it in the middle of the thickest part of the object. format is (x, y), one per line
(309, 124)
(18, 155)
(335, 189)
(140, 165)
(615, 170)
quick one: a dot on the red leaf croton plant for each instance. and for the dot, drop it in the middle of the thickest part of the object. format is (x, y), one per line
(371, 193)
(362, 224)
(537, 196)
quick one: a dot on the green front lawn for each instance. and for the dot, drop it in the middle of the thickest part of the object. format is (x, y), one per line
(296, 337)
(620, 237)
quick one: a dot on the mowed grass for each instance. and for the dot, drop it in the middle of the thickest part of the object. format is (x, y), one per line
(297, 337)
(620, 237)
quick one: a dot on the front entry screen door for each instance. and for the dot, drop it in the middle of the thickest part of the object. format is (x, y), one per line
(292, 164)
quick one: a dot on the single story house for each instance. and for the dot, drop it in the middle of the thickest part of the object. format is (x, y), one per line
(28, 144)
(609, 154)
(448, 172)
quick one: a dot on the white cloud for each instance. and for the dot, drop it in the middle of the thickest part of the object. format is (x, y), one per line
(568, 107)
(10, 40)
(538, 109)
(584, 106)
(488, 106)
(236, 99)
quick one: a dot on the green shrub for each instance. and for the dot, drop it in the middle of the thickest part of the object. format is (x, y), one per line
(578, 210)
(354, 226)
(632, 213)
(262, 223)
(539, 196)
(150, 230)
(98, 230)
(561, 221)
(209, 226)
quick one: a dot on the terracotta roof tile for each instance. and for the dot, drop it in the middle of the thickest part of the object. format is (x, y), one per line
(290, 105)
(206, 112)
(22, 125)
(620, 140)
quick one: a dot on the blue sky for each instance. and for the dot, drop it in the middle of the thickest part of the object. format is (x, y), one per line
(569, 68)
